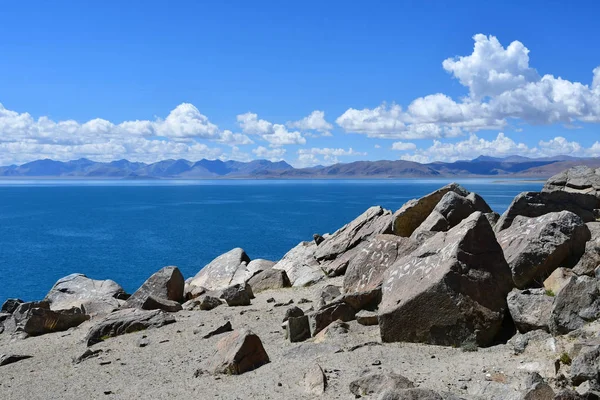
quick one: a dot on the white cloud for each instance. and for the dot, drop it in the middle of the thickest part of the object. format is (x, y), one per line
(314, 122)
(269, 154)
(403, 146)
(275, 134)
(501, 146)
(323, 156)
(503, 89)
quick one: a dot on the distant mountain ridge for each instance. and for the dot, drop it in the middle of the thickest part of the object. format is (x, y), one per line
(516, 166)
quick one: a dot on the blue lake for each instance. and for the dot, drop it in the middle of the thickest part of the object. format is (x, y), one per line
(126, 230)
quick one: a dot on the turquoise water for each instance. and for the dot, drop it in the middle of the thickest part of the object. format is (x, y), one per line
(126, 230)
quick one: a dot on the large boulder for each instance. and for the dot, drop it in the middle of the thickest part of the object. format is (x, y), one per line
(579, 179)
(95, 296)
(372, 222)
(365, 271)
(300, 265)
(269, 279)
(239, 352)
(576, 304)
(237, 295)
(258, 265)
(590, 260)
(126, 321)
(535, 247)
(36, 318)
(450, 290)
(166, 284)
(412, 214)
(226, 270)
(586, 366)
(530, 309)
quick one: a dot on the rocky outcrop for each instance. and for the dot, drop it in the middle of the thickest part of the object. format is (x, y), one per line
(530, 309)
(10, 305)
(126, 321)
(36, 318)
(269, 279)
(258, 265)
(226, 270)
(451, 289)
(159, 291)
(586, 366)
(95, 296)
(240, 351)
(580, 179)
(577, 303)
(590, 260)
(300, 265)
(365, 271)
(535, 247)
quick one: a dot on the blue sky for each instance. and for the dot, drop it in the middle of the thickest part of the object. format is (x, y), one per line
(309, 82)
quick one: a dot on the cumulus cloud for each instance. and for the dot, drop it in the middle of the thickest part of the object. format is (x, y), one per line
(275, 134)
(314, 122)
(501, 146)
(269, 154)
(323, 156)
(503, 89)
(403, 146)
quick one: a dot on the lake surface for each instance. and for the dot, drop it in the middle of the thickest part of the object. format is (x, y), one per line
(127, 230)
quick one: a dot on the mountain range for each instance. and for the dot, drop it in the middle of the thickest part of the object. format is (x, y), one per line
(512, 166)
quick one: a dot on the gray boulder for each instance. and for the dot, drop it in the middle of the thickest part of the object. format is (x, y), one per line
(237, 295)
(77, 290)
(372, 222)
(409, 394)
(451, 289)
(412, 214)
(159, 303)
(293, 312)
(590, 260)
(328, 294)
(365, 271)
(530, 309)
(240, 351)
(576, 304)
(324, 316)
(298, 328)
(586, 366)
(300, 265)
(226, 270)
(535, 247)
(209, 302)
(269, 279)
(166, 284)
(10, 305)
(377, 382)
(36, 318)
(258, 265)
(580, 179)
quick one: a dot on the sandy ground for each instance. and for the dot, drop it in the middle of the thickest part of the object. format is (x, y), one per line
(167, 367)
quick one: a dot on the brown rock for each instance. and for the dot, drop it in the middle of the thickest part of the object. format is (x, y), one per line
(239, 352)
(165, 284)
(269, 279)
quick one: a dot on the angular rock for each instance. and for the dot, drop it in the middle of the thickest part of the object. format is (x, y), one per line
(269, 279)
(126, 321)
(226, 327)
(300, 265)
(86, 355)
(315, 381)
(293, 312)
(579, 179)
(36, 319)
(409, 394)
(530, 309)
(365, 271)
(377, 382)
(412, 214)
(318, 239)
(374, 221)
(590, 260)
(167, 284)
(237, 295)
(535, 247)
(158, 303)
(298, 329)
(334, 330)
(539, 391)
(361, 300)
(367, 318)
(586, 366)
(328, 294)
(226, 270)
(576, 304)
(239, 352)
(568, 394)
(191, 292)
(209, 302)
(324, 316)
(557, 280)
(11, 305)
(258, 265)
(451, 289)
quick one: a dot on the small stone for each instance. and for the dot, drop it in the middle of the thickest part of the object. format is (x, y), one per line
(376, 362)
(221, 329)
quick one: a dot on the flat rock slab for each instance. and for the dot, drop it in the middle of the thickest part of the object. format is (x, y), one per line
(301, 266)
(240, 351)
(535, 247)
(269, 279)
(579, 179)
(376, 382)
(575, 305)
(167, 284)
(226, 270)
(127, 321)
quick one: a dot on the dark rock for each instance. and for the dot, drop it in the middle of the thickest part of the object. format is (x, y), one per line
(6, 359)
(324, 316)
(538, 391)
(300, 265)
(530, 309)
(365, 271)
(226, 270)
(493, 218)
(318, 239)
(298, 329)
(239, 352)
(126, 321)
(209, 302)
(412, 214)
(576, 304)
(36, 319)
(367, 318)
(293, 312)
(269, 279)
(97, 297)
(157, 303)
(226, 327)
(568, 394)
(315, 381)
(368, 300)
(237, 295)
(535, 247)
(586, 366)
(142, 342)
(165, 284)
(451, 289)
(87, 354)
(377, 382)
(11, 305)
(409, 394)
(374, 221)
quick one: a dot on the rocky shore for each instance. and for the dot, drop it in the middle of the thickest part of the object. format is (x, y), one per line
(441, 299)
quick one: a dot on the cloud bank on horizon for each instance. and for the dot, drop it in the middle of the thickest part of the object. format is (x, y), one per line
(504, 94)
